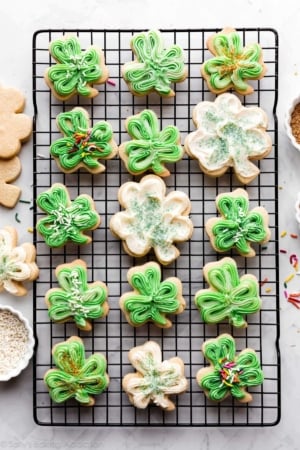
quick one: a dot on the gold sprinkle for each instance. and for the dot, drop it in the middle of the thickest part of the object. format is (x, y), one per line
(289, 278)
(283, 233)
(30, 230)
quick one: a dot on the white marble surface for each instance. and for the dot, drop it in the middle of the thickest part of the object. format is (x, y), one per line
(19, 19)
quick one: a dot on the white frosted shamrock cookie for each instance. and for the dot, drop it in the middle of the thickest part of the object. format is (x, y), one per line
(152, 219)
(17, 263)
(154, 68)
(229, 135)
(154, 379)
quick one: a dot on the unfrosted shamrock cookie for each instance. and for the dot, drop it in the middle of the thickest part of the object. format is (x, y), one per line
(229, 135)
(75, 70)
(232, 65)
(238, 227)
(151, 299)
(10, 169)
(154, 67)
(229, 296)
(150, 147)
(76, 376)
(16, 127)
(17, 263)
(82, 146)
(66, 219)
(154, 379)
(151, 219)
(76, 299)
(228, 373)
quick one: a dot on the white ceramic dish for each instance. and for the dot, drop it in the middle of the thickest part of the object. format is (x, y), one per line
(288, 128)
(28, 347)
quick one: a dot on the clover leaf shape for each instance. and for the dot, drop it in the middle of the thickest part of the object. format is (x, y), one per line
(152, 298)
(81, 145)
(75, 70)
(229, 296)
(232, 64)
(155, 68)
(66, 220)
(238, 227)
(17, 263)
(76, 376)
(151, 219)
(229, 135)
(150, 147)
(228, 373)
(76, 299)
(155, 379)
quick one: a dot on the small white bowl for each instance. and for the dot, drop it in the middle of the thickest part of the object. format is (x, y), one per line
(287, 122)
(28, 347)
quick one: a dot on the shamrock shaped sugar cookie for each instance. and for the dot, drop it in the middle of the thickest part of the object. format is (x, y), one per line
(152, 299)
(75, 299)
(75, 70)
(15, 127)
(155, 67)
(229, 135)
(237, 227)
(228, 373)
(81, 145)
(229, 296)
(66, 220)
(151, 219)
(232, 64)
(150, 147)
(76, 376)
(17, 263)
(155, 379)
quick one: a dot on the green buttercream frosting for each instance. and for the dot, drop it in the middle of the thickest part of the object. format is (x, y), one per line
(76, 298)
(66, 220)
(152, 298)
(229, 373)
(76, 376)
(150, 147)
(154, 68)
(81, 145)
(229, 296)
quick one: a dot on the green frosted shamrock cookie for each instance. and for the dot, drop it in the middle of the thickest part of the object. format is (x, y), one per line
(154, 67)
(150, 147)
(229, 296)
(151, 298)
(228, 373)
(75, 299)
(75, 70)
(66, 220)
(237, 227)
(81, 145)
(76, 376)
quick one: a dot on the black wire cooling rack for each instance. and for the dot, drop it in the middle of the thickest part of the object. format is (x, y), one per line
(107, 261)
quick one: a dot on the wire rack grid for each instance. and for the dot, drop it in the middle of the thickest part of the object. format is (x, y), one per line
(106, 260)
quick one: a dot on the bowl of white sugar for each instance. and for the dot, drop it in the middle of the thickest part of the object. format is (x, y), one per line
(16, 342)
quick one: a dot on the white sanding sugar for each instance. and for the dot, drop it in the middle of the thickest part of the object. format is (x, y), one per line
(13, 341)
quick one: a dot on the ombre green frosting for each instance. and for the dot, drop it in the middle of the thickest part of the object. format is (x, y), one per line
(150, 147)
(238, 227)
(233, 64)
(155, 68)
(76, 376)
(152, 298)
(82, 145)
(75, 298)
(66, 220)
(75, 69)
(229, 296)
(230, 374)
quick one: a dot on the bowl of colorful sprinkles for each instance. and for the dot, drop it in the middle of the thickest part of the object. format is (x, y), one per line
(16, 343)
(292, 122)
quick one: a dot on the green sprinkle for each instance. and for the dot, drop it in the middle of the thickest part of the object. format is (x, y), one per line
(25, 201)
(17, 218)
